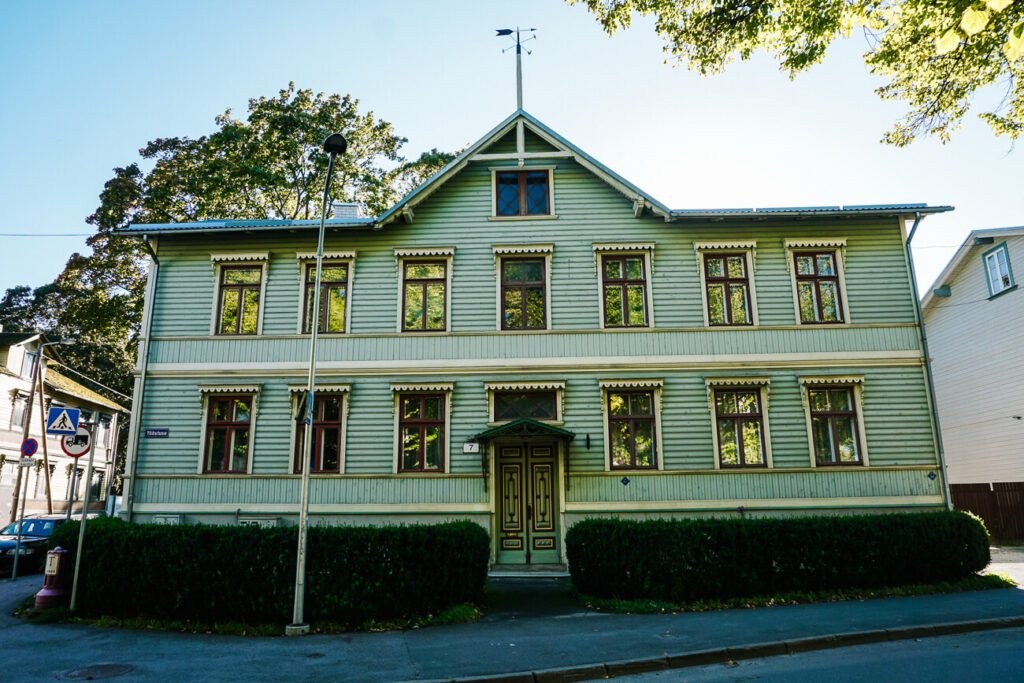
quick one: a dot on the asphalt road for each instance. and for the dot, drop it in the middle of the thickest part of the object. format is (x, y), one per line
(989, 656)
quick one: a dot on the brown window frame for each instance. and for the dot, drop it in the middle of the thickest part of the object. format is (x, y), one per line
(422, 424)
(308, 283)
(521, 185)
(728, 282)
(817, 280)
(537, 392)
(522, 287)
(240, 298)
(229, 426)
(319, 425)
(443, 281)
(737, 419)
(832, 415)
(623, 284)
(632, 420)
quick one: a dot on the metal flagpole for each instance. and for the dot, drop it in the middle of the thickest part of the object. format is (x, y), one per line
(334, 144)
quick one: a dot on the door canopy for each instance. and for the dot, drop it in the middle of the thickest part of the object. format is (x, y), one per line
(524, 427)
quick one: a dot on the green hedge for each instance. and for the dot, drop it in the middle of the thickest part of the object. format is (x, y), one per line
(685, 560)
(212, 573)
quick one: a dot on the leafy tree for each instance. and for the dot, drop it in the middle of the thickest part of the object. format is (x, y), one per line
(935, 54)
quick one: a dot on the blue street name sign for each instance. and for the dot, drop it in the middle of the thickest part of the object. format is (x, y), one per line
(29, 447)
(62, 421)
(158, 433)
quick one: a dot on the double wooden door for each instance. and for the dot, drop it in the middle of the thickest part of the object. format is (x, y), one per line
(527, 505)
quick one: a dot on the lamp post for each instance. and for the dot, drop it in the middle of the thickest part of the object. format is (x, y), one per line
(334, 145)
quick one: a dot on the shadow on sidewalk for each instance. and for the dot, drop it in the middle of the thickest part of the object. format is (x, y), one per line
(520, 598)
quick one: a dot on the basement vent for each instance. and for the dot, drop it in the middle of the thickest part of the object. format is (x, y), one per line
(261, 522)
(173, 520)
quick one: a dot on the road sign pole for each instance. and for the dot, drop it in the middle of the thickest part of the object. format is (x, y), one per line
(21, 528)
(71, 488)
(85, 510)
(42, 437)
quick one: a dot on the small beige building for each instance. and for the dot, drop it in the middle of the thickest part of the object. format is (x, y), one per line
(19, 354)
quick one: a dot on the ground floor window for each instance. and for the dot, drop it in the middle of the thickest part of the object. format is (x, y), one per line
(227, 434)
(834, 428)
(740, 427)
(328, 434)
(421, 430)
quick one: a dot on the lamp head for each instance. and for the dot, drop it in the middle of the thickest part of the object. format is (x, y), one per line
(335, 144)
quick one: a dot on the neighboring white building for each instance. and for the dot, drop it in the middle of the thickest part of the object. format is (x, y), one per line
(19, 352)
(974, 317)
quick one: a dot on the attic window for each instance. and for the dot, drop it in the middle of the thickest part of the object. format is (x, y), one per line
(522, 193)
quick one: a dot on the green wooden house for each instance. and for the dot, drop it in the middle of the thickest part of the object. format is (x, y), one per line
(528, 339)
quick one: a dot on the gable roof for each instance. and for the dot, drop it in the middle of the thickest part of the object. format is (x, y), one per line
(520, 121)
(69, 386)
(949, 272)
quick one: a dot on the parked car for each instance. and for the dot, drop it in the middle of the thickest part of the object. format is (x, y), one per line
(35, 533)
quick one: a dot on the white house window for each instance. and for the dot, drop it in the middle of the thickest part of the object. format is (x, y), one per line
(18, 411)
(997, 270)
(28, 363)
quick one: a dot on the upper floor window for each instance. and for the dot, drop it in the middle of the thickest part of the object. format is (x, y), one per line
(18, 411)
(227, 434)
(28, 363)
(334, 279)
(240, 288)
(522, 193)
(624, 285)
(424, 296)
(523, 298)
(727, 289)
(817, 286)
(997, 270)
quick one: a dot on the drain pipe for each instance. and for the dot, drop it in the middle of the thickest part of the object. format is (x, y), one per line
(143, 364)
(929, 378)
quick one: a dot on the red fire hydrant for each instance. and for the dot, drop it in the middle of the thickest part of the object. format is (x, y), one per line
(55, 583)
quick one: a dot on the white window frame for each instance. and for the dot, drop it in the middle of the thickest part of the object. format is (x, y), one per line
(836, 244)
(305, 259)
(495, 170)
(855, 383)
(295, 392)
(993, 254)
(642, 249)
(399, 388)
(655, 386)
(519, 251)
(208, 390)
(17, 394)
(262, 258)
(446, 254)
(557, 387)
(749, 250)
(763, 385)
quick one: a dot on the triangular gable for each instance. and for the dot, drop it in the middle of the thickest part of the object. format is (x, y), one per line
(524, 426)
(518, 126)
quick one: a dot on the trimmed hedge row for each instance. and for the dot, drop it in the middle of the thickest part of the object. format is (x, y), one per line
(353, 574)
(698, 559)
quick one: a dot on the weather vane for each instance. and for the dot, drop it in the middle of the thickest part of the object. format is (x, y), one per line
(519, 56)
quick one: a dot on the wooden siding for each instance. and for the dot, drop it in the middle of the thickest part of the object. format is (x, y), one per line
(741, 486)
(978, 365)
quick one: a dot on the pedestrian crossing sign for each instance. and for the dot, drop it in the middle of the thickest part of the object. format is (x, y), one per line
(62, 421)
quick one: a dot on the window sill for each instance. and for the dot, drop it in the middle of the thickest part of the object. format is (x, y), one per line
(1000, 293)
(538, 217)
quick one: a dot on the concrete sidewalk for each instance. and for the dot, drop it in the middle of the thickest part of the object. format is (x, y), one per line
(533, 627)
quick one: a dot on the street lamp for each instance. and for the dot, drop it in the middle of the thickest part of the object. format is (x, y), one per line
(334, 145)
(25, 426)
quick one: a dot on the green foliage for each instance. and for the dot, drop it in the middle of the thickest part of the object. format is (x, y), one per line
(683, 561)
(935, 55)
(353, 574)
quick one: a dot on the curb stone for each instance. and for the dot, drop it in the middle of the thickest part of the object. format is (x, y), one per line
(588, 672)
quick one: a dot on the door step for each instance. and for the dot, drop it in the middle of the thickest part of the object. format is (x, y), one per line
(527, 571)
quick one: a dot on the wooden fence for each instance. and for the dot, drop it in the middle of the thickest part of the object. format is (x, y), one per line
(1000, 504)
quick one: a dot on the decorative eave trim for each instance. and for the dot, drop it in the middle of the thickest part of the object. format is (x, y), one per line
(505, 249)
(736, 381)
(725, 244)
(229, 388)
(599, 247)
(630, 383)
(328, 255)
(811, 243)
(831, 379)
(425, 251)
(531, 386)
(422, 386)
(248, 256)
(320, 388)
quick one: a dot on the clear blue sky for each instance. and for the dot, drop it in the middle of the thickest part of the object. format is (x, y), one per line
(87, 84)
